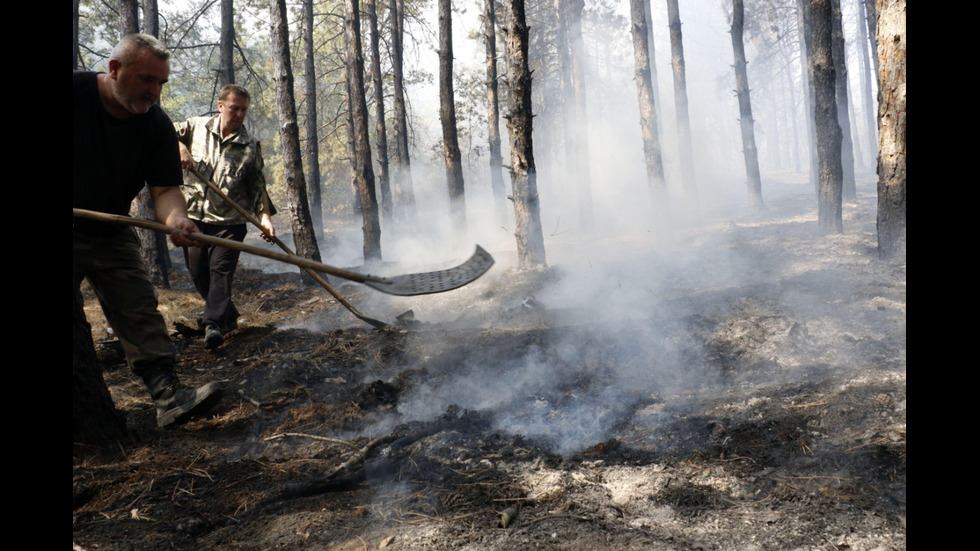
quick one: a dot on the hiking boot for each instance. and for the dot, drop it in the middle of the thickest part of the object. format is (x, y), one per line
(212, 336)
(176, 402)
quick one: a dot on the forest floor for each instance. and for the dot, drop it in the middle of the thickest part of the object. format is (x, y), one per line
(743, 390)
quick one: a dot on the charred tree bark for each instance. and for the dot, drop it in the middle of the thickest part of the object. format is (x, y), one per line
(447, 115)
(825, 119)
(745, 108)
(312, 133)
(304, 237)
(226, 75)
(891, 127)
(493, 113)
(527, 214)
(867, 100)
(579, 124)
(680, 100)
(404, 195)
(843, 108)
(648, 113)
(361, 155)
(379, 114)
(95, 419)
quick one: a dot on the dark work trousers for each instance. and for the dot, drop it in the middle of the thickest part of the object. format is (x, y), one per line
(213, 268)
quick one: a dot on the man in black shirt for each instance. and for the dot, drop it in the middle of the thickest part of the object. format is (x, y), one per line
(123, 139)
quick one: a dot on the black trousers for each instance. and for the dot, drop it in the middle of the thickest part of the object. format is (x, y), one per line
(213, 269)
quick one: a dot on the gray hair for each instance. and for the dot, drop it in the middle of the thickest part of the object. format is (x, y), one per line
(132, 44)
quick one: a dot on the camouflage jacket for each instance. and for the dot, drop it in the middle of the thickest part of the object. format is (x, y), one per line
(233, 163)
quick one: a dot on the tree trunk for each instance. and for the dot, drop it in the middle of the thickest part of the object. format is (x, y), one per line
(653, 63)
(151, 18)
(312, 133)
(361, 155)
(867, 100)
(227, 73)
(74, 35)
(129, 17)
(806, 53)
(680, 100)
(745, 108)
(579, 125)
(379, 115)
(891, 127)
(843, 109)
(825, 118)
(95, 419)
(871, 18)
(447, 115)
(304, 237)
(648, 113)
(527, 215)
(404, 196)
(493, 113)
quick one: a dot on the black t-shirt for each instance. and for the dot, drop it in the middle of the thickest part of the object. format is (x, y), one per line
(113, 158)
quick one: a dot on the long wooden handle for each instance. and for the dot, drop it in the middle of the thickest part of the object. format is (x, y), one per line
(230, 244)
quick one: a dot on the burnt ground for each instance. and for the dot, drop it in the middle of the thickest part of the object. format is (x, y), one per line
(745, 390)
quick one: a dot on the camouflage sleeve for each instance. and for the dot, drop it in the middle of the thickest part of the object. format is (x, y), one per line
(184, 130)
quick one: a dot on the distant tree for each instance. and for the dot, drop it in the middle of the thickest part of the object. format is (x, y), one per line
(312, 132)
(806, 54)
(648, 113)
(447, 115)
(749, 151)
(404, 195)
(866, 93)
(579, 125)
(825, 118)
(493, 112)
(304, 237)
(379, 113)
(523, 175)
(891, 127)
(680, 99)
(361, 155)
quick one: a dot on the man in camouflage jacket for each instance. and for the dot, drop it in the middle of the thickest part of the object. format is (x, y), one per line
(222, 150)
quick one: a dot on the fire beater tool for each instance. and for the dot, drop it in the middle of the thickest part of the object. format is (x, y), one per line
(423, 283)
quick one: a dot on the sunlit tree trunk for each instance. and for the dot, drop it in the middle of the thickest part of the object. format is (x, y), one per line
(379, 114)
(361, 155)
(825, 118)
(304, 237)
(891, 127)
(447, 115)
(404, 195)
(527, 214)
(312, 132)
(680, 100)
(749, 152)
(648, 113)
(493, 112)
(227, 73)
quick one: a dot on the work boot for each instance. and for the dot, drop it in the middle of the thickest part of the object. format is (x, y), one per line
(176, 402)
(212, 336)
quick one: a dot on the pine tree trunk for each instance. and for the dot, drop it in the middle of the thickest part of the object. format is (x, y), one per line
(871, 18)
(361, 155)
(648, 113)
(806, 53)
(129, 17)
(447, 115)
(227, 46)
(867, 99)
(891, 127)
(379, 115)
(579, 125)
(312, 132)
(401, 173)
(304, 237)
(653, 64)
(680, 101)
(825, 119)
(493, 113)
(527, 215)
(754, 179)
(843, 108)
(151, 18)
